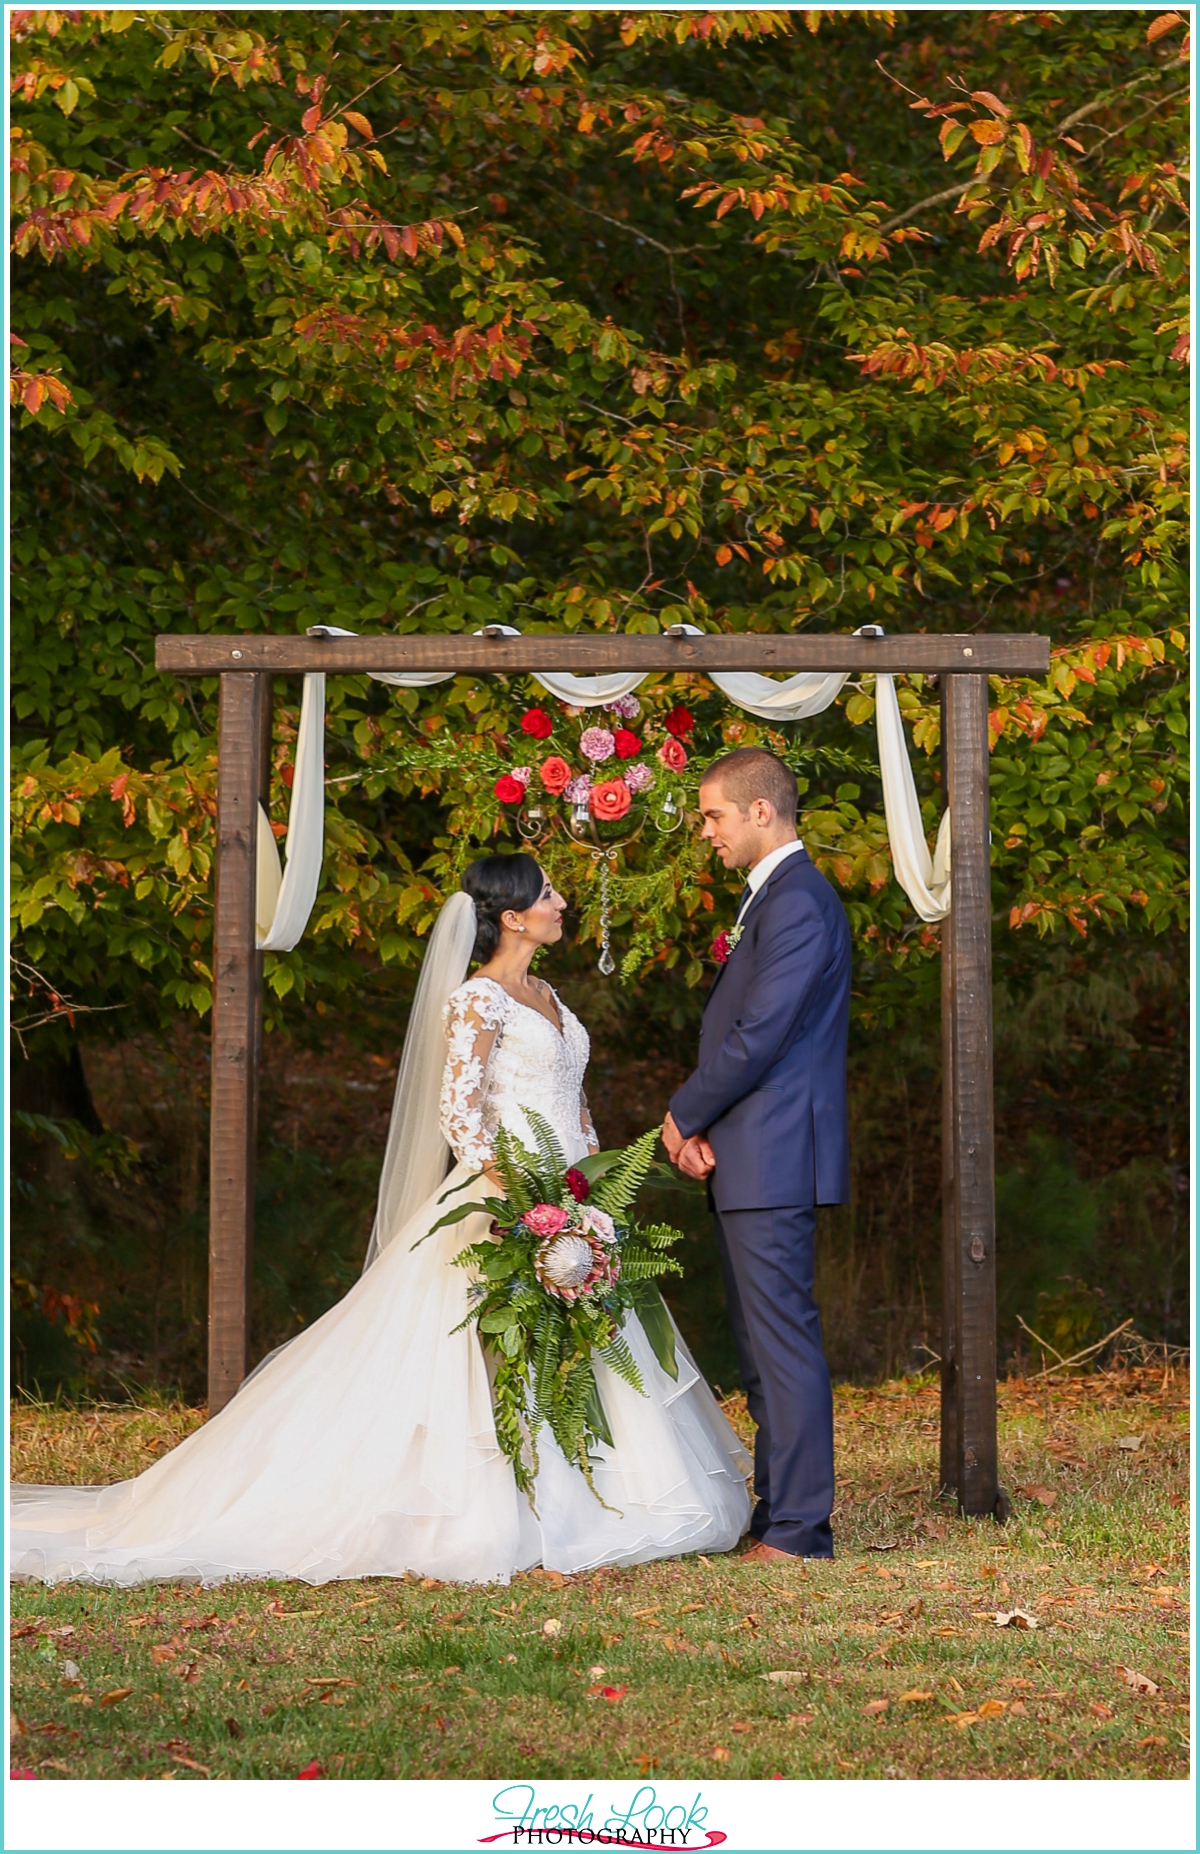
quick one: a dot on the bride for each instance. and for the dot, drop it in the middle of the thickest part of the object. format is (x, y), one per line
(365, 1447)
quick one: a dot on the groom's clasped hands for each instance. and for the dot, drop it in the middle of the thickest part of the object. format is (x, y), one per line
(693, 1157)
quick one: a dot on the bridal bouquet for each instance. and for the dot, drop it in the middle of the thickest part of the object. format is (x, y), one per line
(563, 1269)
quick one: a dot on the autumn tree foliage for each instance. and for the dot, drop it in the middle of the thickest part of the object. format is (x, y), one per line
(584, 321)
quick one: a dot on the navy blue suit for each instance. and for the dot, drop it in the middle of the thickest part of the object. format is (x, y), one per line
(770, 1094)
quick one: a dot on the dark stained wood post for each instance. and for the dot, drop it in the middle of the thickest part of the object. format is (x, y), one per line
(948, 1468)
(967, 935)
(244, 716)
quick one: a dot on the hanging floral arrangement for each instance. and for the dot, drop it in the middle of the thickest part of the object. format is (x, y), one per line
(606, 797)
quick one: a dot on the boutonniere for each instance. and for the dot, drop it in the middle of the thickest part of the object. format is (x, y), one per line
(724, 944)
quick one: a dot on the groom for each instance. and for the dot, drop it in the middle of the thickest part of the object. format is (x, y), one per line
(763, 1119)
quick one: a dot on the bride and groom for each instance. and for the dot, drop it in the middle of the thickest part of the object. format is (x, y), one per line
(366, 1445)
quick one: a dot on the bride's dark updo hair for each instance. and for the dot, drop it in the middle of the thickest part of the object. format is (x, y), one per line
(496, 884)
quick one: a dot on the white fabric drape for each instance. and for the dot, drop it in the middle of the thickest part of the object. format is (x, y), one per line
(283, 905)
(925, 879)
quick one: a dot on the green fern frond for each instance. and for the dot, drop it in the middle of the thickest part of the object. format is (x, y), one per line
(552, 1159)
(617, 1190)
(617, 1354)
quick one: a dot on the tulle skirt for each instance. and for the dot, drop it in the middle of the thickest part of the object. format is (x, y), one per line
(366, 1448)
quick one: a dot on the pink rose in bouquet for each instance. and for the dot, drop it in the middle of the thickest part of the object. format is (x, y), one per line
(673, 755)
(556, 774)
(545, 1219)
(598, 1223)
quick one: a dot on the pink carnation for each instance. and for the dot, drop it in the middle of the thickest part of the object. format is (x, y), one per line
(577, 792)
(546, 1219)
(637, 778)
(597, 744)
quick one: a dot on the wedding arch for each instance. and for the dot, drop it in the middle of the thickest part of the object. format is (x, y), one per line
(259, 907)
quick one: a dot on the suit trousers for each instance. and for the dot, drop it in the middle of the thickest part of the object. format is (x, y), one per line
(767, 1262)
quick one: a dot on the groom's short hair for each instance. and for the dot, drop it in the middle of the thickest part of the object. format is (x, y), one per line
(752, 772)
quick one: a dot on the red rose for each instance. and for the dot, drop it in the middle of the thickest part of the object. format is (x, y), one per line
(672, 755)
(556, 774)
(578, 1185)
(680, 723)
(538, 723)
(626, 744)
(508, 790)
(609, 800)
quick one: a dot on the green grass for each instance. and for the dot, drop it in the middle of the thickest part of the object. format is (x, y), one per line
(897, 1666)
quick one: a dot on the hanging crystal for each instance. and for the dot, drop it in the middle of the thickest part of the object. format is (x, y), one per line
(607, 963)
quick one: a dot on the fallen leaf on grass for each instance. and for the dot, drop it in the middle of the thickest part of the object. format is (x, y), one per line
(23, 1776)
(801, 1718)
(526, 1751)
(992, 1708)
(646, 1763)
(164, 1651)
(115, 1695)
(742, 1725)
(1143, 1742)
(191, 1764)
(1017, 1706)
(595, 1673)
(1015, 1619)
(1100, 1709)
(233, 1728)
(1037, 1490)
(914, 1694)
(1141, 1683)
(719, 1754)
(889, 1545)
(874, 1707)
(962, 1719)
(310, 1770)
(1131, 1443)
(608, 1693)
(786, 1676)
(552, 1626)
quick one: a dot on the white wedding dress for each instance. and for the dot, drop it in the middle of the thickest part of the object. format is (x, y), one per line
(366, 1447)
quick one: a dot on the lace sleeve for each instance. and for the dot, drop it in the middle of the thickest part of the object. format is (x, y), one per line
(474, 1016)
(585, 1124)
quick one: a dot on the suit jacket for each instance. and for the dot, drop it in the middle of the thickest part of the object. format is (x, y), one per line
(770, 1088)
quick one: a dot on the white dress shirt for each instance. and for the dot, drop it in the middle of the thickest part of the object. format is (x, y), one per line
(764, 869)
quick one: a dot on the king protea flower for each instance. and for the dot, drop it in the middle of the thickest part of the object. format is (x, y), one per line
(574, 1263)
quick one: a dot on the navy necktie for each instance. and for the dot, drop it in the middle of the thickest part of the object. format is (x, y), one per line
(744, 897)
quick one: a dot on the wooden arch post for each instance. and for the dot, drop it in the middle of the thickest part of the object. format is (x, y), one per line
(246, 664)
